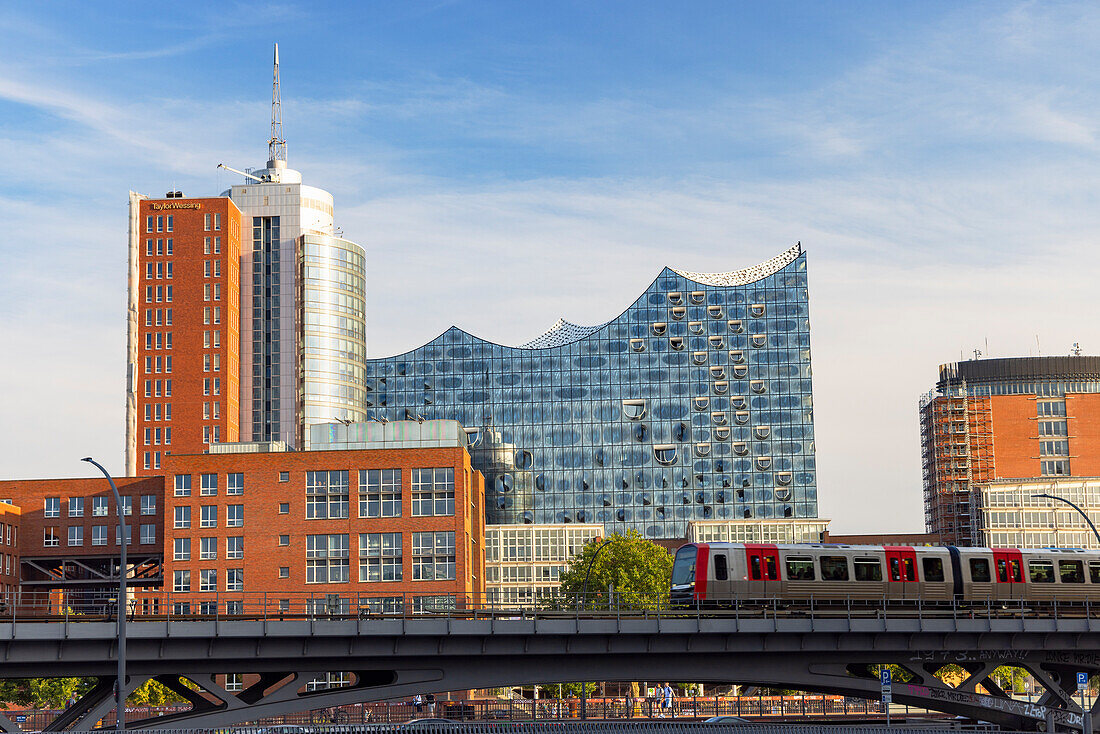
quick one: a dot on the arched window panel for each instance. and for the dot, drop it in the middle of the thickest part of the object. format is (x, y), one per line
(738, 402)
(716, 342)
(658, 328)
(722, 433)
(758, 340)
(675, 298)
(718, 372)
(698, 297)
(665, 454)
(678, 313)
(736, 326)
(699, 358)
(637, 345)
(696, 327)
(736, 356)
(740, 371)
(676, 342)
(634, 409)
(761, 432)
(719, 418)
(715, 312)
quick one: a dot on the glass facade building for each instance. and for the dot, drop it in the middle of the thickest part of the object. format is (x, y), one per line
(695, 403)
(332, 337)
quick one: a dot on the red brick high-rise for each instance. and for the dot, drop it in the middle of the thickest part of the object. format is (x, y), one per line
(183, 336)
(1014, 418)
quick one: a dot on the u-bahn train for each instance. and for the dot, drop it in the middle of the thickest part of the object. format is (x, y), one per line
(715, 574)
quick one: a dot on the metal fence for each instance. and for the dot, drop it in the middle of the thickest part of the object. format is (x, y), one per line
(593, 727)
(608, 708)
(158, 605)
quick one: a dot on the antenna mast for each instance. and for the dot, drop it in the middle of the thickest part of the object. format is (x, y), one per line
(276, 146)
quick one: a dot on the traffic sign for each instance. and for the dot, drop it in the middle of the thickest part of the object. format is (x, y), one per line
(887, 685)
(1082, 679)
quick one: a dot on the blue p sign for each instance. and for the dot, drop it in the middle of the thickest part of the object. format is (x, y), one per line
(1082, 680)
(885, 676)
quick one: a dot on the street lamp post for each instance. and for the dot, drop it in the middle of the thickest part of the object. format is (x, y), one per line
(1082, 512)
(120, 606)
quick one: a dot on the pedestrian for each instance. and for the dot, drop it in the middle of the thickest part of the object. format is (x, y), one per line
(418, 701)
(431, 704)
(668, 699)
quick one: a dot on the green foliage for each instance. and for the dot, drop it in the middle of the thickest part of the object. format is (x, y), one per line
(152, 693)
(573, 690)
(43, 693)
(637, 569)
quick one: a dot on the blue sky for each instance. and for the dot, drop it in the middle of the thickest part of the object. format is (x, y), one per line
(508, 163)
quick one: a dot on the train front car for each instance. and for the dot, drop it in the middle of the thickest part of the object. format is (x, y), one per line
(689, 575)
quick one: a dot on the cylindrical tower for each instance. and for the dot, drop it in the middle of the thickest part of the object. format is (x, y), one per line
(331, 318)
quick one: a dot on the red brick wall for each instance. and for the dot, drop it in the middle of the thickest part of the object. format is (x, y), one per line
(263, 523)
(1084, 434)
(1016, 434)
(194, 249)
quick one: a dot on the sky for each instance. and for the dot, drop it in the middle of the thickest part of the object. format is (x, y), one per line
(508, 163)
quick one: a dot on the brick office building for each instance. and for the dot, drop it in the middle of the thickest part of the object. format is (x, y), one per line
(183, 326)
(338, 530)
(996, 419)
(68, 535)
(9, 551)
(391, 521)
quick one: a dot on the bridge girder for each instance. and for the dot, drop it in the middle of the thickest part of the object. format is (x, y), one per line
(394, 658)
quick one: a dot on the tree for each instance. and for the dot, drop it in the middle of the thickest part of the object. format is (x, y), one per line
(637, 570)
(42, 693)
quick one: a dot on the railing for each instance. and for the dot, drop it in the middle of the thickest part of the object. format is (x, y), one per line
(693, 708)
(69, 606)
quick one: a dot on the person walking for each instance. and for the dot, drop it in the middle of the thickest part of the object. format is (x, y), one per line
(668, 700)
(418, 700)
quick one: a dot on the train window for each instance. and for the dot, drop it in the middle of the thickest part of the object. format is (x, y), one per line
(1071, 572)
(868, 569)
(1002, 570)
(895, 569)
(1041, 572)
(800, 568)
(1014, 572)
(721, 572)
(1094, 572)
(979, 570)
(834, 568)
(933, 569)
(909, 570)
(770, 569)
(754, 567)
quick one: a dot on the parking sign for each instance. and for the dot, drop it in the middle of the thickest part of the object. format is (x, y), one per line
(1082, 680)
(887, 692)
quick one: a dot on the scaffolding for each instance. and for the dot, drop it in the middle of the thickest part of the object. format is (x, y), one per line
(957, 452)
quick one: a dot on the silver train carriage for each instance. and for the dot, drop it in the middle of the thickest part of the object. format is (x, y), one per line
(721, 573)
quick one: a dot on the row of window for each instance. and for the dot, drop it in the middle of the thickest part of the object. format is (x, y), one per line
(158, 364)
(208, 516)
(380, 557)
(9, 534)
(158, 270)
(153, 436)
(158, 411)
(208, 484)
(163, 340)
(208, 580)
(164, 247)
(99, 506)
(51, 535)
(208, 548)
(158, 388)
(163, 316)
(163, 294)
(328, 493)
(163, 223)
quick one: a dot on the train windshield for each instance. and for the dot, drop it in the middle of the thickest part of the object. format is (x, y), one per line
(683, 568)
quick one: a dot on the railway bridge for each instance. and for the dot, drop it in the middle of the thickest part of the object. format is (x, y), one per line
(401, 655)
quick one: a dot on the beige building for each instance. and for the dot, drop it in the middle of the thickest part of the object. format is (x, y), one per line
(1007, 513)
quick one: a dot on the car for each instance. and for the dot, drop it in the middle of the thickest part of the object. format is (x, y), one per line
(726, 720)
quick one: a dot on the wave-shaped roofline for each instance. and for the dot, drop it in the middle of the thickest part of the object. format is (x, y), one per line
(549, 339)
